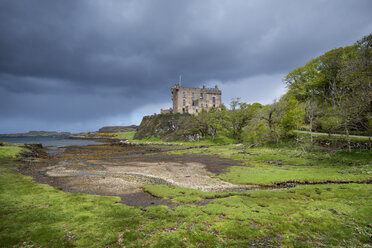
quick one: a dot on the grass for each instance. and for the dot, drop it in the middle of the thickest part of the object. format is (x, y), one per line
(305, 216)
(334, 136)
(269, 165)
(185, 195)
(10, 150)
(207, 141)
(328, 215)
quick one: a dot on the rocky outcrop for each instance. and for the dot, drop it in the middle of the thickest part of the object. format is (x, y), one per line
(33, 151)
(169, 127)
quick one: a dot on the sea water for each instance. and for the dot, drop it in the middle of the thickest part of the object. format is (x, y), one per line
(49, 141)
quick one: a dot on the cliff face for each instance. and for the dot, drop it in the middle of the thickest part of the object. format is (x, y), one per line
(169, 127)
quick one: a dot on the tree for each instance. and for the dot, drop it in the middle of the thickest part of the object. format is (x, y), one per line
(203, 118)
(330, 123)
(219, 121)
(266, 123)
(354, 95)
(256, 133)
(310, 109)
(293, 115)
(339, 82)
(240, 114)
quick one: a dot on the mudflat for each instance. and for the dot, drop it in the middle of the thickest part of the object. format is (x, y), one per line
(113, 170)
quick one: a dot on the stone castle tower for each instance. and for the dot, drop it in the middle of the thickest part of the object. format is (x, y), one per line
(193, 100)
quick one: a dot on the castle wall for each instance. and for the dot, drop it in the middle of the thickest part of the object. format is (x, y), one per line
(193, 100)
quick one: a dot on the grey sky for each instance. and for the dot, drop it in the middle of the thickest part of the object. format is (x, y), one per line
(78, 65)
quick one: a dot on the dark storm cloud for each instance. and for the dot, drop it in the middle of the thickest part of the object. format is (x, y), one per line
(70, 62)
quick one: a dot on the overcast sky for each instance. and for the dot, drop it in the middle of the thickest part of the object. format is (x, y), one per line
(77, 65)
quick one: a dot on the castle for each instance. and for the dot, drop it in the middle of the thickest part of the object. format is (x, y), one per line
(193, 100)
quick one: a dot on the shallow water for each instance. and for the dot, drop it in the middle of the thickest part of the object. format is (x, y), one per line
(49, 141)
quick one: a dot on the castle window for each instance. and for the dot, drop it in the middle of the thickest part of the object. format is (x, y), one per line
(192, 95)
(206, 105)
(214, 105)
(214, 99)
(202, 105)
(193, 103)
(201, 95)
(184, 94)
(184, 102)
(196, 110)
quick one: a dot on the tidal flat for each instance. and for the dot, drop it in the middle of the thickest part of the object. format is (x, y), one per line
(155, 196)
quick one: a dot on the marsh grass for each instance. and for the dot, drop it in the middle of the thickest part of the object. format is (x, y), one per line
(273, 164)
(10, 150)
(185, 195)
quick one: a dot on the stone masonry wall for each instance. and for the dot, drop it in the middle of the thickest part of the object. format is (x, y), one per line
(193, 100)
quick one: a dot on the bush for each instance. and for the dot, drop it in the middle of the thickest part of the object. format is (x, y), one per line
(330, 123)
(256, 134)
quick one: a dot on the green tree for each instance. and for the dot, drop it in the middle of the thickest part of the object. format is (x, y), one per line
(240, 114)
(330, 123)
(268, 116)
(293, 115)
(219, 121)
(203, 119)
(338, 85)
(311, 108)
(256, 133)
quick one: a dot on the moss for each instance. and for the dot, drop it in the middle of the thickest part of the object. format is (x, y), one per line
(185, 195)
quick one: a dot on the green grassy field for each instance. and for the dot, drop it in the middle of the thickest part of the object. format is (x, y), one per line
(272, 165)
(219, 140)
(326, 215)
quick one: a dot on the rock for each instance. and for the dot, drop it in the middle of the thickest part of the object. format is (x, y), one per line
(248, 153)
(333, 211)
(34, 151)
(31, 154)
(275, 162)
(34, 146)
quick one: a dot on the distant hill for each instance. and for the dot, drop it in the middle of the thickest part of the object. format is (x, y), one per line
(37, 133)
(117, 129)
